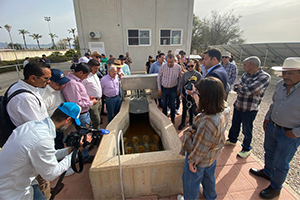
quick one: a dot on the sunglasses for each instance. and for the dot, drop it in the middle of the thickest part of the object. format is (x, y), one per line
(225, 57)
(190, 66)
(46, 79)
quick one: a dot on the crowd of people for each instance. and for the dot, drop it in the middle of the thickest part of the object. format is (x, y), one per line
(54, 102)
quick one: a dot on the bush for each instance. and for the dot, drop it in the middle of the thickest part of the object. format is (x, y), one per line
(70, 53)
(55, 54)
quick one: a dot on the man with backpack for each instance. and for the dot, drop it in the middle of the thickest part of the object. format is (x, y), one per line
(29, 105)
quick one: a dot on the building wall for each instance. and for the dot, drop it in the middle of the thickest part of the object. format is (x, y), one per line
(112, 18)
(8, 55)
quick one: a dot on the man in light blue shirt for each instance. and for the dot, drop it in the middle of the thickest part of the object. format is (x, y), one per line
(154, 68)
(126, 69)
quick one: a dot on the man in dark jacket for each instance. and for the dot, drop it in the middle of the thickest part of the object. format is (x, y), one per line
(211, 63)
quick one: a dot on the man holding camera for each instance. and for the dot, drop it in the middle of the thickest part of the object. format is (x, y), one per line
(30, 151)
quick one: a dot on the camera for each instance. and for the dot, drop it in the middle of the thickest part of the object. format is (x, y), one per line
(73, 138)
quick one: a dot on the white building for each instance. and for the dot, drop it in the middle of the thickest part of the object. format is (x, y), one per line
(140, 27)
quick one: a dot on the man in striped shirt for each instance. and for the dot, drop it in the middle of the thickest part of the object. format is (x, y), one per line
(250, 91)
(168, 82)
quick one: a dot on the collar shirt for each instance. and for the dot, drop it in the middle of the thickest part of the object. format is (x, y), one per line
(169, 77)
(110, 61)
(74, 91)
(204, 71)
(25, 63)
(126, 69)
(205, 139)
(110, 86)
(128, 60)
(285, 111)
(246, 99)
(30, 151)
(207, 71)
(232, 72)
(25, 107)
(154, 68)
(92, 85)
(52, 98)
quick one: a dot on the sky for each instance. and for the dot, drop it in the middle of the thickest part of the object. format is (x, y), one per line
(262, 20)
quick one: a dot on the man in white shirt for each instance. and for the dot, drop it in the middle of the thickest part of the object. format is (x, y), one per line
(94, 90)
(26, 61)
(29, 151)
(26, 107)
(53, 97)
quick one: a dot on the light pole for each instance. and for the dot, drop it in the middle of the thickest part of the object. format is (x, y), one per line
(48, 19)
(8, 28)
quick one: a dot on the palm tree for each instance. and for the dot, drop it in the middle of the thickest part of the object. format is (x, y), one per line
(69, 41)
(72, 30)
(23, 32)
(53, 35)
(36, 37)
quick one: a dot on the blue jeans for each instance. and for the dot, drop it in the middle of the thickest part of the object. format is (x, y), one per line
(168, 97)
(246, 118)
(191, 181)
(37, 194)
(85, 119)
(113, 105)
(279, 151)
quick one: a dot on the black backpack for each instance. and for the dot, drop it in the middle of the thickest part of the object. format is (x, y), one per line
(6, 125)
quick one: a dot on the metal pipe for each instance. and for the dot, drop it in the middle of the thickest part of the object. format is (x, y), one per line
(119, 158)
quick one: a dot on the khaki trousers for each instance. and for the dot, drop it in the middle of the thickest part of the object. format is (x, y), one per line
(95, 111)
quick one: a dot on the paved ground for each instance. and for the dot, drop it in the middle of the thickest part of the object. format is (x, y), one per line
(293, 178)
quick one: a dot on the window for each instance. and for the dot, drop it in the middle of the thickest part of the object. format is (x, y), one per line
(170, 37)
(138, 37)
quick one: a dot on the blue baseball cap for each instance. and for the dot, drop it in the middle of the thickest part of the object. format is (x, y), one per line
(58, 77)
(72, 110)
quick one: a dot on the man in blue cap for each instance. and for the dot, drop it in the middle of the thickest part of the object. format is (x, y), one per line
(30, 151)
(53, 97)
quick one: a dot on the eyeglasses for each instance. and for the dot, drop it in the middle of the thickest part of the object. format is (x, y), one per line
(45, 79)
(190, 66)
(225, 57)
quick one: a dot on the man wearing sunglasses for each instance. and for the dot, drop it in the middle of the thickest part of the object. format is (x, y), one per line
(230, 68)
(26, 106)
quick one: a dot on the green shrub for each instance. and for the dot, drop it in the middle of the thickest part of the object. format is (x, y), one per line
(70, 53)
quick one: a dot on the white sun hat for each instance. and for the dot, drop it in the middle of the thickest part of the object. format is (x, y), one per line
(290, 63)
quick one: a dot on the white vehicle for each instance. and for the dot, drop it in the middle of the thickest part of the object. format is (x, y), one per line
(195, 57)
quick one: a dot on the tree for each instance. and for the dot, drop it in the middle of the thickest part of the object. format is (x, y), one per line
(36, 37)
(16, 46)
(72, 30)
(76, 45)
(62, 43)
(23, 32)
(216, 30)
(53, 35)
(69, 41)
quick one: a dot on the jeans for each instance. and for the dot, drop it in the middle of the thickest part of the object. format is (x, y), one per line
(279, 151)
(246, 118)
(187, 98)
(191, 181)
(113, 105)
(37, 194)
(169, 95)
(85, 119)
